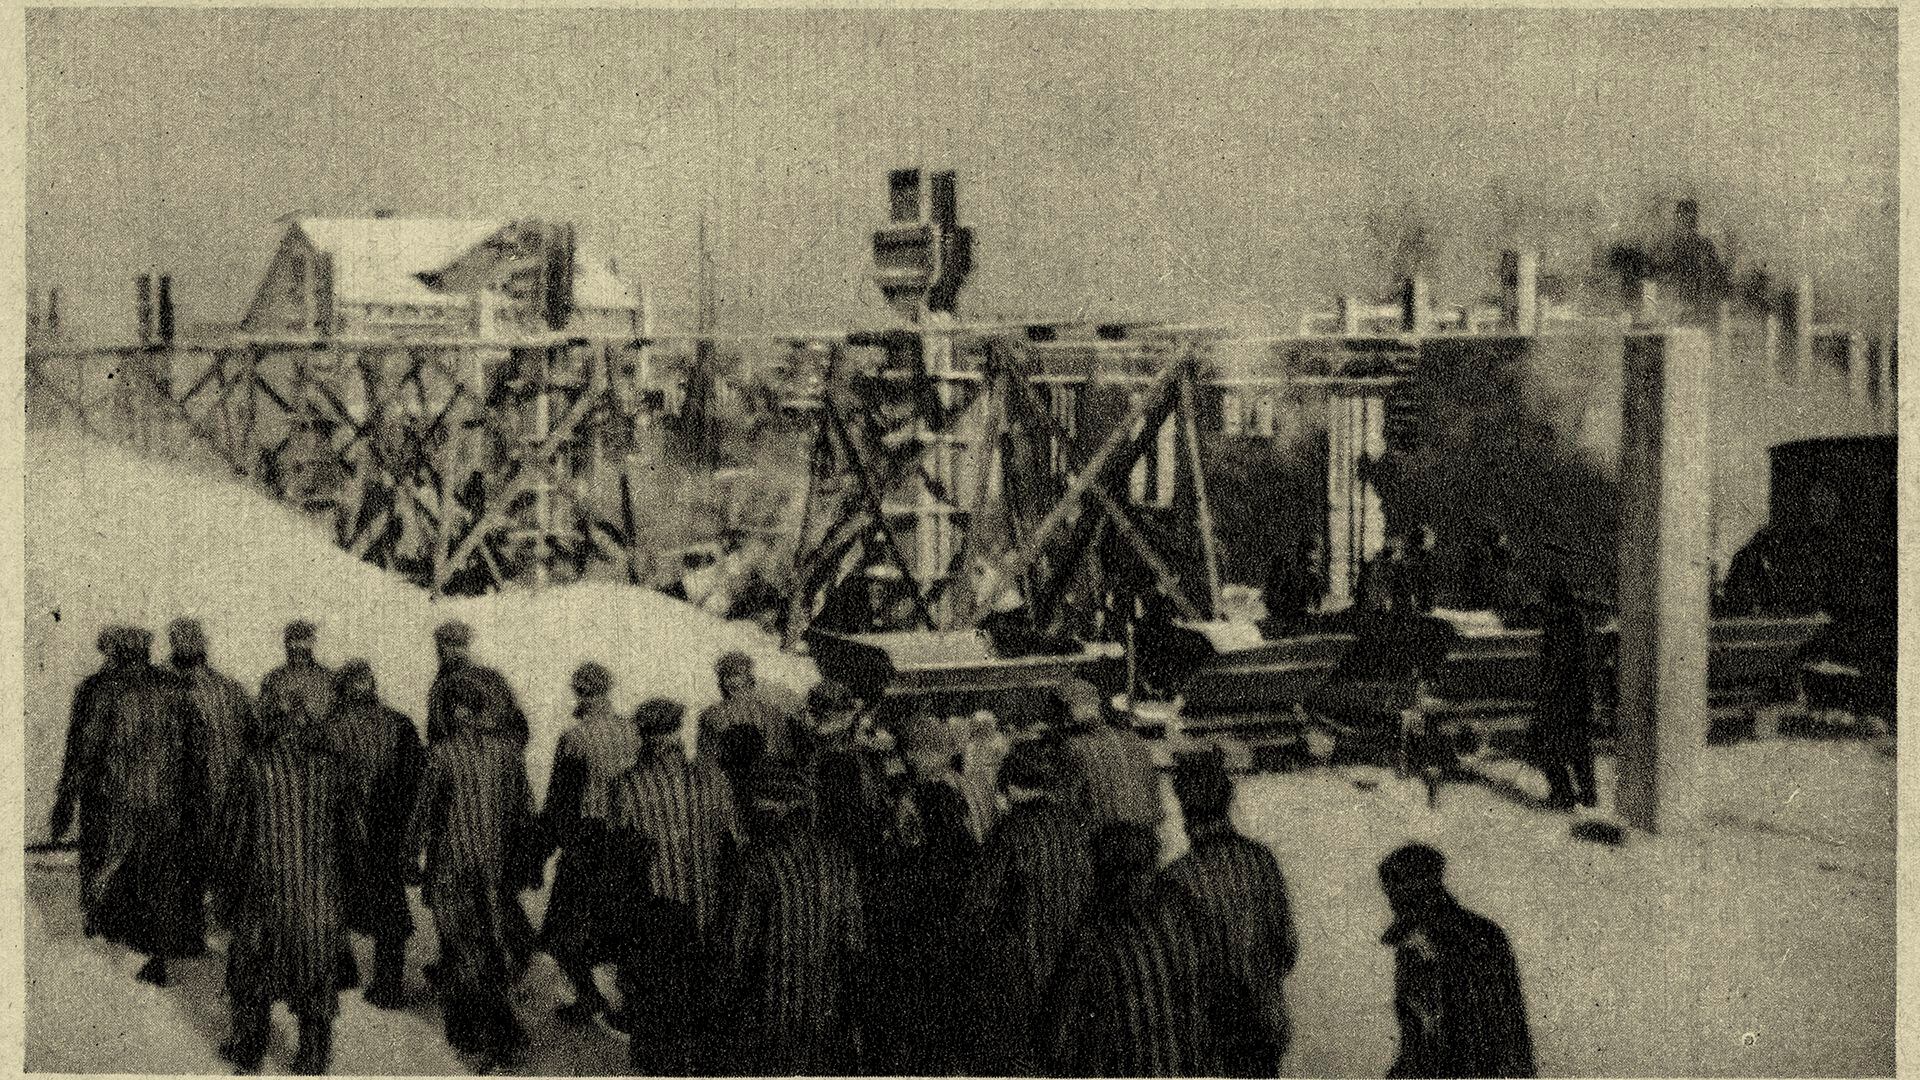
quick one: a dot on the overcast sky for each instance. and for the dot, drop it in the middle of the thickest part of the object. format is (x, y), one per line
(1193, 165)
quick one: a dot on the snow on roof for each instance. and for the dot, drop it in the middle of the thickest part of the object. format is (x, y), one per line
(379, 260)
(596, 286)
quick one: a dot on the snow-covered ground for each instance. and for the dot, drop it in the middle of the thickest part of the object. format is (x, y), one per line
(1760, 945)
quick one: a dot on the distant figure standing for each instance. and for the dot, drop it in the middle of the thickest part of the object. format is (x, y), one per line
(133, 765)
(501, 713)
(1294, 586)
(473, 817)
(1114, 769)
(744, 703)
(297, 692)
(793, 943)
(383, 759)
(1240, 899)
(1456, 986)
(590, 757)
(1488, 570)
(1130, 997)
(293, 848)
(1025, 898)
(1563, 712)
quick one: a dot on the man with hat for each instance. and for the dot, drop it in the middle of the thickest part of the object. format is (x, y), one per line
(222, 701)
(793, 944)
(1023, 900)
(133, 762)
(1239, 899)
(1456, 986)
(590, 756)
(297, 692)
(292, 849)
(383, 758)
(687, 807)
(474, 819)
(1130, 995)
(744, 702)
(79, 766)
(453, 641)
(1113, 765)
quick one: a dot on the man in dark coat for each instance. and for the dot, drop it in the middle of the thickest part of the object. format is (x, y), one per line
(453, 641)
(792, 944)
(744, 701)
(1293, 588)
(1456, 986)
(664, 973)
(79, 766)
(383, 759)
(1130, 995)
(1023, 901)
(590, 756)
(292, 845)
(1563, 717)
(474, 818)
(297, 692)
(1239, 899)
(134, 766)
(1113, 766)
(687, 808)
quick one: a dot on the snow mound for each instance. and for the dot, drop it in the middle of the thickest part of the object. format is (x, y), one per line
(111, 537)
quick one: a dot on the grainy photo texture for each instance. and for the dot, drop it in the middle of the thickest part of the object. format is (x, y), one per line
(1254, 543)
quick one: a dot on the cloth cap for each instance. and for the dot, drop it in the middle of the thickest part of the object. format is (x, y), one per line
(300, 630)
(831, 696)
(1201, 784)
(733, 663)
(119, 640)
(1413, 864)
(187, 636)
(1033, 764)
(453, 632)
(659, 717)
(592, 680)
(356, 668)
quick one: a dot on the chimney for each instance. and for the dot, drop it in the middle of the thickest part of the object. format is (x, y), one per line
(53, 312)
(1803, 331)
(1416, 311)
(164, 321)
(1686, 217)
(143, 297)
(1520, 290)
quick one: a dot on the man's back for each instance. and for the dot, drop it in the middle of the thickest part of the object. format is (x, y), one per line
(300, 691)
(687, 808)
(471, 813)
(225, 710)
(1239, 899)
(1032, 881)
(1458, 995)
(1129, 999)
(1117, 774)
(771, 709)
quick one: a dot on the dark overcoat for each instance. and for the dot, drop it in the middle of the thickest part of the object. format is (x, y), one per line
(383, 760)
(502, 714)
(582, 910)
(1457, 996)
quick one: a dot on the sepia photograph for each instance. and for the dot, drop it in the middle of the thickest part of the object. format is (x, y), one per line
(1002, 543)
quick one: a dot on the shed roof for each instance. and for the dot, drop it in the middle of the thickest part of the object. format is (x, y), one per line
(379, 260)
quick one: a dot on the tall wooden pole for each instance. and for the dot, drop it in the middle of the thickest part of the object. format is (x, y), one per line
(1203, 506)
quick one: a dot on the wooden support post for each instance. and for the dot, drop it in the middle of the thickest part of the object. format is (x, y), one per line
(1152, 401)
(543, 487)
(1203, 506)
(1664, 531)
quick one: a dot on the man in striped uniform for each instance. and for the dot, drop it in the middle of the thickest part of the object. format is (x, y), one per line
(686, 807)
(292, 843)
(383, 758)
(793, 943)
(474, 818)
(133, 762)
(1023, 901)
(453, 641)
(590, 756)
(1114, 768)
(1130, 995)
(1456, 986)
(1240, 899)
(745, 703)
(225, 710)
(297, 692)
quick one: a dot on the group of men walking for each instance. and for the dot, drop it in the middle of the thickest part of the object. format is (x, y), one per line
(816, 891)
